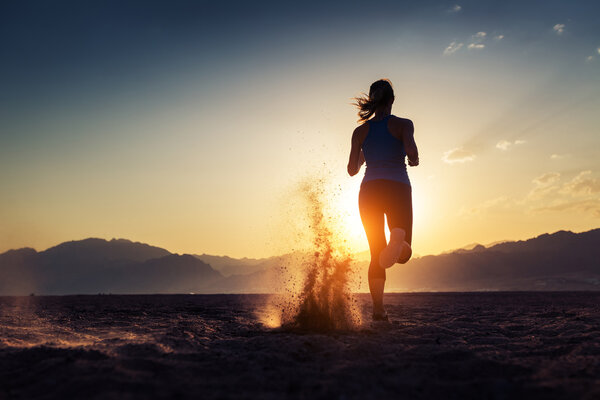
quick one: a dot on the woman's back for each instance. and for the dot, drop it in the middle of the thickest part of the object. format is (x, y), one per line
(384, 154)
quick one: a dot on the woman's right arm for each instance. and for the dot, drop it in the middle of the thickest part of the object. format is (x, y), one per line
(356, 156)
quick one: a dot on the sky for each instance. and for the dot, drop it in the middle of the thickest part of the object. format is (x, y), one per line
(189, 125)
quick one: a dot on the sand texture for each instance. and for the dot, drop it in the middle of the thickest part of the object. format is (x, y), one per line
(530, 345)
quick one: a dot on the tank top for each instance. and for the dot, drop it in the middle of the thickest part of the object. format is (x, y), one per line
(384, 154)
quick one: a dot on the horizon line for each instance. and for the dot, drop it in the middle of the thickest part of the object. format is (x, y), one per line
(295, 251)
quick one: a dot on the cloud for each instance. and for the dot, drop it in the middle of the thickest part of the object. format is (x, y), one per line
(456, 8)
(546, 179)
(559, 156)
(476, 41)
(583, 184)
(554, 198)
(458, 155)
(505, 144)
(543, 186)
(589, 58)
(598, 49)
(587, 206)
(476, 46)
(452, 48)
(559, 28)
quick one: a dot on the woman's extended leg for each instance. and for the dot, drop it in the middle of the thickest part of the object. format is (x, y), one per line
(372, 216)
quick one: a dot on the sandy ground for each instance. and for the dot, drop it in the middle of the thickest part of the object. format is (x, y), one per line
(439, 346)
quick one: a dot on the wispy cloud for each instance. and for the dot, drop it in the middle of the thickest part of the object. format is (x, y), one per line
(559, 28)
(452, 48)
(558, 156)
(458, 155)
(588, 206)
(477, 41)
(455, 8)
(476, 46)
(579, 194)
(543, 185)
(546, 179)
(505, 144)
(583, 184)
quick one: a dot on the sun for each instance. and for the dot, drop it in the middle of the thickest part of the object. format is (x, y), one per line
(349, 224)
(344, 205)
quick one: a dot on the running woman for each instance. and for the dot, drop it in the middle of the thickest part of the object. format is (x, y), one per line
(383, 141)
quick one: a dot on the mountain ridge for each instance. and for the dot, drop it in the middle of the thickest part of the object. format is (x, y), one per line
(563, 260)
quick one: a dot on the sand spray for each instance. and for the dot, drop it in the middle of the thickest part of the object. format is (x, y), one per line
(315, 292)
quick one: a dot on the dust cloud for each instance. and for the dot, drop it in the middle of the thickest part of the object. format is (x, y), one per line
(316, 295)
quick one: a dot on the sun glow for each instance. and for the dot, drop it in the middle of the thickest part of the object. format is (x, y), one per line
(344, 203)
(350, 224)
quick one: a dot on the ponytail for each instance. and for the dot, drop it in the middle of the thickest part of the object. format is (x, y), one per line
(380, 94)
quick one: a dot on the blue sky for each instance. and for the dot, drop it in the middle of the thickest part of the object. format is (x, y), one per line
(184, 124)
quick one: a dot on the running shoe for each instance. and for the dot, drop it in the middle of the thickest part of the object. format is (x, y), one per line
(390, 255)
(381, 317)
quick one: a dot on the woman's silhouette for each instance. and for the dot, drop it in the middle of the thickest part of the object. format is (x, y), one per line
(383, 141)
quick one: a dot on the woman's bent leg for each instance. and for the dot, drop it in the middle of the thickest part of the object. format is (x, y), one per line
(398, 209)
(394, 249)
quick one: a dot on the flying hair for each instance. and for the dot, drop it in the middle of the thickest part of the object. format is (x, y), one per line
(380, 94)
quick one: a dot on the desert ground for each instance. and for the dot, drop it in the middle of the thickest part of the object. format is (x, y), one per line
(522, 345)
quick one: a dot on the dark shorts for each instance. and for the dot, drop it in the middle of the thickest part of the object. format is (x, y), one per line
(379, 198)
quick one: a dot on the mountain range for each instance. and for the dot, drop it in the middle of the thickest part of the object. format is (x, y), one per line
(560, 261)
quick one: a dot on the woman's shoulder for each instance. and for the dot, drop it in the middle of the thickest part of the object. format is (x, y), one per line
(360, 132)
(400, 121)
(398, 126)
(362, 128)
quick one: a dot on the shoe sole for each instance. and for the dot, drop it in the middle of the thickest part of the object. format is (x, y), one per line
(393, 250)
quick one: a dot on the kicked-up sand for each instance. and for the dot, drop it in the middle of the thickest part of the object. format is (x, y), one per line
(530, 345)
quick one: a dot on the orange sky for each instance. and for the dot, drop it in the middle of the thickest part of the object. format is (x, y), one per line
(202, 154)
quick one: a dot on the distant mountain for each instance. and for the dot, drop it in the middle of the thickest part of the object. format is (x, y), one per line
(472, 246)
(239, 266)
(100, 266)
(558, 261)
(18, 271)
(98, 251)
(170, 274)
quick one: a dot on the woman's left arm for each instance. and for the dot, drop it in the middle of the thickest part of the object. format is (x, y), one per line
(408, 137)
